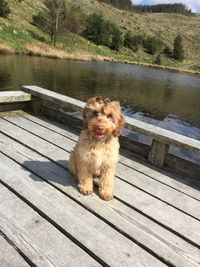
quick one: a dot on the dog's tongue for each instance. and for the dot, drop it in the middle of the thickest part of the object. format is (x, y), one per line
(99, 135)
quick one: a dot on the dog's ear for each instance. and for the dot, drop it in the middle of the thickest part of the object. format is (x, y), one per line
(85, 123)
(118, 118)
(91, 102)
(119, 125)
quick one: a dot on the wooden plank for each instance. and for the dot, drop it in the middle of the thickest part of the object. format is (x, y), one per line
(106, 243)
(14, 96)
(47, 95)
(182, 184)
(29, 139)
(9, 257)
(42, 132)
(51, 125)
(158, 153)
(157, 133)
(185, 225)
(163, 135)
(157, 239)
(155, 188)
(43, 244)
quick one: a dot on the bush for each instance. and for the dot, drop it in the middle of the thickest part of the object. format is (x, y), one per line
(168, 51)
(102, 32)
(94, 28)
(133, 41)
(158, 60)
(178, 52)
(153, 45)
(4, 9)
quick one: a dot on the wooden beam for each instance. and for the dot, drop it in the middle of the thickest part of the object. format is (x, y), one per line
(14, 96)
(47, 95)
(65, 103)
(162, 135)
(158, 153)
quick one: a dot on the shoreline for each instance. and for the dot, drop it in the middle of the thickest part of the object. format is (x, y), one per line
(44, 50)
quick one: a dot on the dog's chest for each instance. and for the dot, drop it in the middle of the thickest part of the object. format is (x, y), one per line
(100, 155)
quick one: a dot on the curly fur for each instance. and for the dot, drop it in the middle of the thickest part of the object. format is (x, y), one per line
(96, 152)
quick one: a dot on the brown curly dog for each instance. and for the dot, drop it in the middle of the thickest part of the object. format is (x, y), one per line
(97, 150)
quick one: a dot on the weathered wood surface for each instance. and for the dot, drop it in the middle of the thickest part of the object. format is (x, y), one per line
(80, 224)
(158, 153)
(9, 257)
(47, 95)
(14, 96)
(126, 220)
(163, 135)
(137, 212)
(163, 192)
(39, 240)
(180, 183)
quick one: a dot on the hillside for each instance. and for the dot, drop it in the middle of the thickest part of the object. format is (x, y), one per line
(17, 32)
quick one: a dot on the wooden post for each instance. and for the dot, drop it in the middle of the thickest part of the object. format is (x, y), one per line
(157, 153)
(36, 104)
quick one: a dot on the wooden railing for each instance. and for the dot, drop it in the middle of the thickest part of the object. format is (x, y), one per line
(162, 138)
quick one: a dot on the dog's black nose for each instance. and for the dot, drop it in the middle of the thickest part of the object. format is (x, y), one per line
(100, 129)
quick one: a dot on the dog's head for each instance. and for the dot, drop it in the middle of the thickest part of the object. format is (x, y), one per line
(102, 118)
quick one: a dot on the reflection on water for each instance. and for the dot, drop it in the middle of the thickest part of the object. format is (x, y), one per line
(165, 98)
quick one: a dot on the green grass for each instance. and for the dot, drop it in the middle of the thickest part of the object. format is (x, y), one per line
(17, 31)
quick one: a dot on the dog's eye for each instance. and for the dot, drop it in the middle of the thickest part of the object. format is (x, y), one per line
(109, 116)
(95, 113)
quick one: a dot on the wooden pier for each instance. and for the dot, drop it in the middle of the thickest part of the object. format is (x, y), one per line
(153, 220)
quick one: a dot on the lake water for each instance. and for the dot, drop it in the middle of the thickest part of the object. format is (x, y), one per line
(165, 98)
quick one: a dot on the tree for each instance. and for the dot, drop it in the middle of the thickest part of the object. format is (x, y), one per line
(102, 32)
(116, 42)
(94, 27)
(74, 20)
(158, 60)
(4, 9)
(132, 41)
(168, 51)
(153, 45)
(178, 51)
(51, 19)
(121, 4)
(162, 8)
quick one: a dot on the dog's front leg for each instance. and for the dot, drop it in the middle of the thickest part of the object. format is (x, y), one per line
(106, 185)
(85, 180)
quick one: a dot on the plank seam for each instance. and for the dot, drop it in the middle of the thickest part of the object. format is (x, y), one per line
(163, 183)
(195, 218)
(35, 135)
(46, 127)
(17, 249)
(159, 223)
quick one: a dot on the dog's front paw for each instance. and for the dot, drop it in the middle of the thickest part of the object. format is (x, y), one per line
(85, 189)
(105, 195)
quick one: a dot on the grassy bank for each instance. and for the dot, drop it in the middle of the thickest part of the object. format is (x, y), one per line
(45, 50)
(18, 35)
